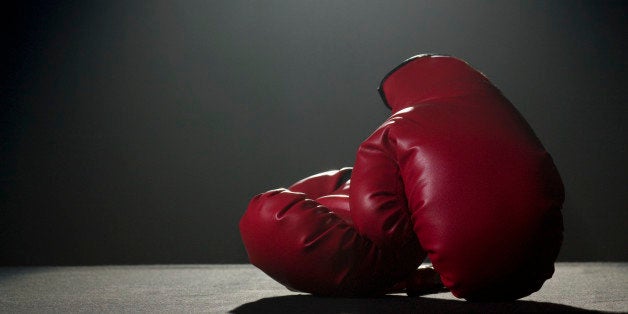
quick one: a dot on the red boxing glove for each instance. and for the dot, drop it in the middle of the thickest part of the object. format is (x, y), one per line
(303, 237)
(459, 162)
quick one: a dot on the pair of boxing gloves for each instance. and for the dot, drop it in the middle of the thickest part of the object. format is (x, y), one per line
(455, 173)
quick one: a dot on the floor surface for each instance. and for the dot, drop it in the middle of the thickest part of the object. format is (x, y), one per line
(575, 287)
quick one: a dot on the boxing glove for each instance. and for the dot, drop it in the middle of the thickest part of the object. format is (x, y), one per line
(459, 164)
(303, 237)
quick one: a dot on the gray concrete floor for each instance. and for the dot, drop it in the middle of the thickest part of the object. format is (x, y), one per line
(575, 287)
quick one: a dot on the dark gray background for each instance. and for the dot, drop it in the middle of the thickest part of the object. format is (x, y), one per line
(137, 131)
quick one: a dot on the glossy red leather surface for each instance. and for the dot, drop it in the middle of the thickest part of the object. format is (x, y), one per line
(457, 166)
(303, 237)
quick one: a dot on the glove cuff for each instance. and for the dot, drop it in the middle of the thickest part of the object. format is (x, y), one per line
(426, 77)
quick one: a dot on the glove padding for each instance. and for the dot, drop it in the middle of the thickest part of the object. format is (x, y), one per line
(303, 237)
(458, 166)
